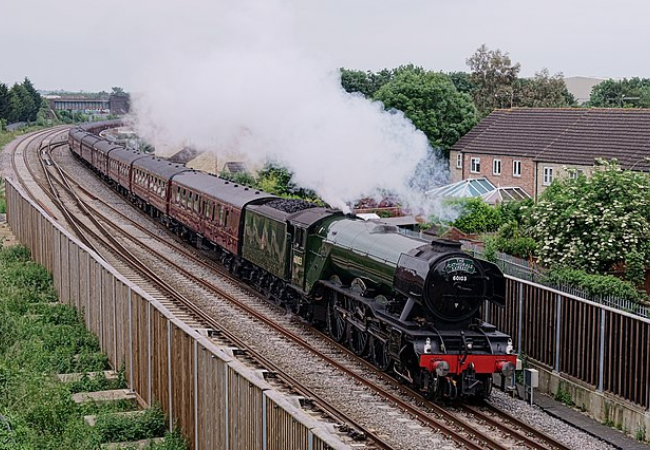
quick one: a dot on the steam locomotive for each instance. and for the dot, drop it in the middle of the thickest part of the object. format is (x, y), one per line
(409, 306)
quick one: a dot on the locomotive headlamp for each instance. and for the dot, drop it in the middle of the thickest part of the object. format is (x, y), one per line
(506, 368)
(427, 346)
(468, 345)
(509, 348)
(442, 368)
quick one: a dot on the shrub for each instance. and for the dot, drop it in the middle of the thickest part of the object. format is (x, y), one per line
(476, 216)
(594, 222)
(595, 285)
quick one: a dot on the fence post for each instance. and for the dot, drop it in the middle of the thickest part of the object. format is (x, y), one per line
(101, 303)
(196, 394)
(130, 340)
(601, 367)
(169, 377)
(149, 355)
(226, 397)
(115, 296)
(521, 316)
(558, 324)
(264, 422)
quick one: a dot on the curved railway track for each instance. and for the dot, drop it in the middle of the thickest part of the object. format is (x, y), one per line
(471, 427)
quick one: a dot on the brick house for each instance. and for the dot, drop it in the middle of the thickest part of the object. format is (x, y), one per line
(531, 147)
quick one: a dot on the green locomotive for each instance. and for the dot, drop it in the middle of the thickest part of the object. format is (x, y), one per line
(410, 306)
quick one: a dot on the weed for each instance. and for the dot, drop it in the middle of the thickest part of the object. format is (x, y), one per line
(113, 428)
(608, 422)
(121, 377)
(639, 433)
(92, 384)
(564, 396)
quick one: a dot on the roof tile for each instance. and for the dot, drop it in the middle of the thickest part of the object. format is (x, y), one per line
(564, 136)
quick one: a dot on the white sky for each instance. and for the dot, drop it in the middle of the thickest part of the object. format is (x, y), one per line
(91, 46)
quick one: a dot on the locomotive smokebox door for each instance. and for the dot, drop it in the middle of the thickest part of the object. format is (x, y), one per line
(298, 255)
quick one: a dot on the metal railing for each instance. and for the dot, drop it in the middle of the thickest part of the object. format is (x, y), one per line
(522, 269)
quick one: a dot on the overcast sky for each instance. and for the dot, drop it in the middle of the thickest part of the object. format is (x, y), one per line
(92, 46)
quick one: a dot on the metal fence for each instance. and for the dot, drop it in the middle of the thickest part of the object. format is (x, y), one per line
(523, 270)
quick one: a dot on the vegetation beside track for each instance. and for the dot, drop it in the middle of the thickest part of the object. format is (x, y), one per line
(39, 339)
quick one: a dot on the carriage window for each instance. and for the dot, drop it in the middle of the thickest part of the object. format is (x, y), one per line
(206, 210)
(226, 219)
(196, 202)
(221, 216)
(178, 195)
(214, 208)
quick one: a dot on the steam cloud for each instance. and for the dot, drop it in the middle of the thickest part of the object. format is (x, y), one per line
(252, 89)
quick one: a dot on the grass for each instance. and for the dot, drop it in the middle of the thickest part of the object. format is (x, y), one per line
(37, 341)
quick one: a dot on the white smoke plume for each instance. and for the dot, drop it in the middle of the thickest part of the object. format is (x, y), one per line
(249, 86)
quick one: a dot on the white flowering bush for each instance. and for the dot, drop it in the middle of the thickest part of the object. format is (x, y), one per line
(593, 223)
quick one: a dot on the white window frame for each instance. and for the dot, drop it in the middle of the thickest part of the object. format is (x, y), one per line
(516, 168)
(548, 176)
(459, 161)
(576, 173)
(476, 163)
(496, 167)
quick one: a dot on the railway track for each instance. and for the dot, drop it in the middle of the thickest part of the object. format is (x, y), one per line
(511, 433)
(126, 259)
(472, 427)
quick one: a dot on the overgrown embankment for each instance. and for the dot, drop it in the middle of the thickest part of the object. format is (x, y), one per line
(38, 340)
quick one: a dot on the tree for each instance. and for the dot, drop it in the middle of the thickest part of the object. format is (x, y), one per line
(16, 107)
(275, 180)
(463, 82)
(493, 76)
(476, 216)
(4, 101)
(366, 83)
(432, 103)
(36, 100)
(542, 91)
(634, 92)
(593, 223)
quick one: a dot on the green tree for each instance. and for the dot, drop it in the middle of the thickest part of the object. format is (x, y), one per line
(4, 101)
(463, 82)
(493, 75)
(593, 223)
(16, 107)
(275, 180)
(633, 92)
(34, 106)
(118, 91)
(432, 103)
(542, 91)
(366, 83)
(476, 216)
